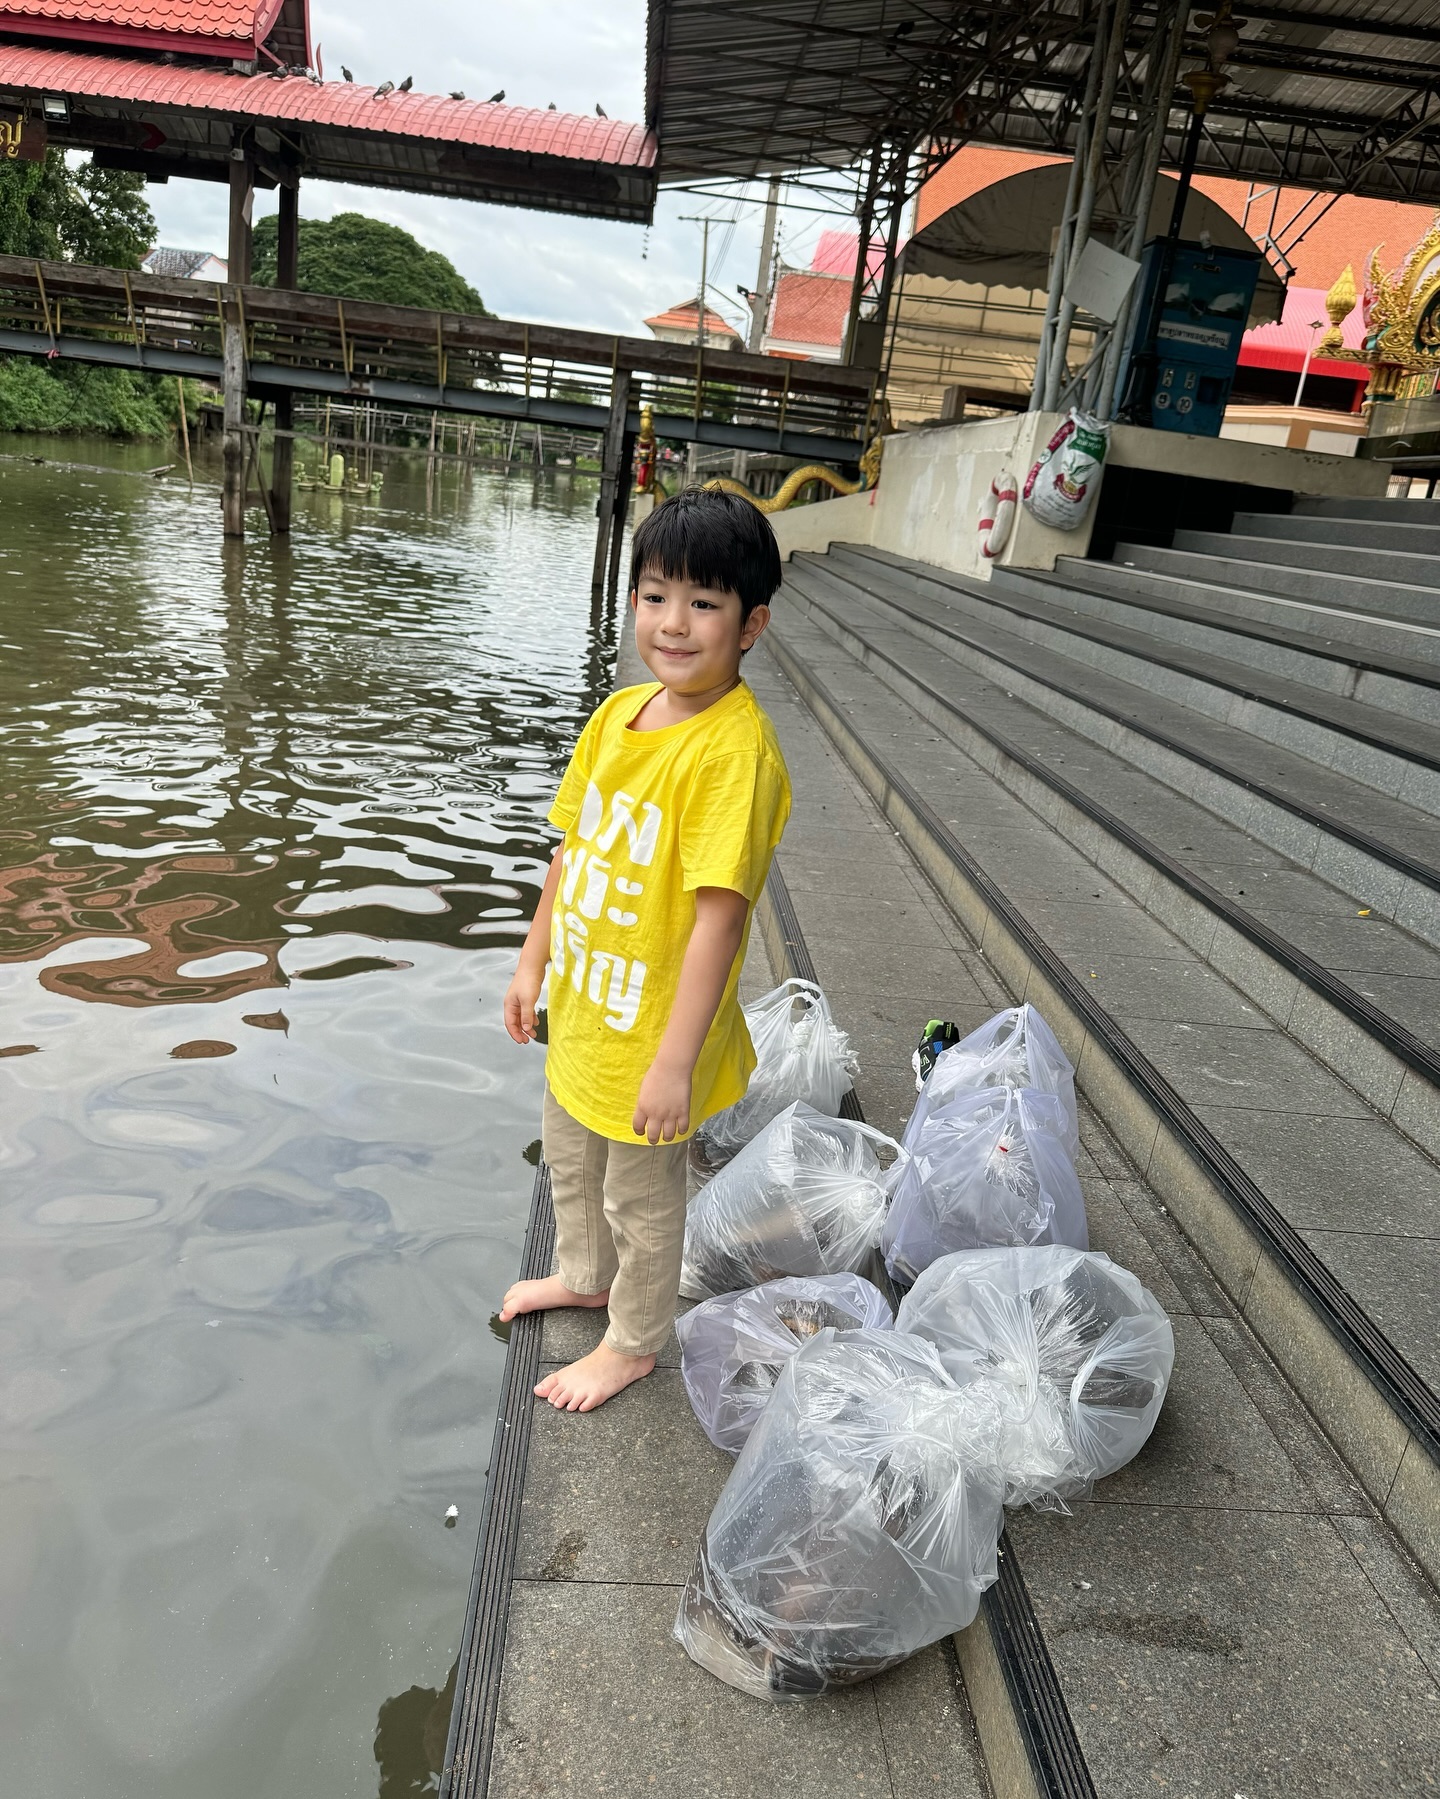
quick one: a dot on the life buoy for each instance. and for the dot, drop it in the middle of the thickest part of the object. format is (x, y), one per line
(997, 514)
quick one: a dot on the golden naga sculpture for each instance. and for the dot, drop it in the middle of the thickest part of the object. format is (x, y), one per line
(789, 489)
(647, 478)
(1401, 311)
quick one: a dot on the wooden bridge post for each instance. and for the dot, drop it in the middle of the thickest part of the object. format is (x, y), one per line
(233, 443)
(611, 472)
(287, 274)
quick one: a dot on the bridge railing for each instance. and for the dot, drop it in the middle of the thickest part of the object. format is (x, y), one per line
(326, 344)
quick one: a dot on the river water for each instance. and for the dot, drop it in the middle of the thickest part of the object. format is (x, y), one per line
(272, 825)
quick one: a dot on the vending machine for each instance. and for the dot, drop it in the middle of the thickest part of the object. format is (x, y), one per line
(1184, 345)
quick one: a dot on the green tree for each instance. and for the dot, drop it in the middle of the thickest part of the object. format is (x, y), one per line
(366, 259)
(82, 214)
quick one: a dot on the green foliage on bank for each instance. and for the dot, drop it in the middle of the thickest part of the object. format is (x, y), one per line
(57, 213)
(366, 259)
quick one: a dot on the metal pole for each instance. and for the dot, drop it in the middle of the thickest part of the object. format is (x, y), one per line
(862, 260)
(1099, 135)
(1154, 151)
(610, 472)
(1059, 261)
(760, 300)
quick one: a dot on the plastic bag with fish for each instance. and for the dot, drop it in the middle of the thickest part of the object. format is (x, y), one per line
(1079, 1351)
(1015, 1048)
(985, 1168)
(800, 1054)
(732, 1348)
(859, 1523)
(805, 1197)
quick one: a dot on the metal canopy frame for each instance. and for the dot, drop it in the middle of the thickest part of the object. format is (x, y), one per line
(1342, 96)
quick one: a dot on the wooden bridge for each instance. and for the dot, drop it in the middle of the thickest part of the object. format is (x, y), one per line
(270, 343)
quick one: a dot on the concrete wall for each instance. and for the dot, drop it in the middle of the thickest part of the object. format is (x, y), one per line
(848, 518)
(933, 481)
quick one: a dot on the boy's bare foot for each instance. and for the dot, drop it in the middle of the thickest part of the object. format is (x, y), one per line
(593, 1379)
(549, 1295)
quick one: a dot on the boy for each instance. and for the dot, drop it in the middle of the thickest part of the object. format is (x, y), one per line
(672, 806)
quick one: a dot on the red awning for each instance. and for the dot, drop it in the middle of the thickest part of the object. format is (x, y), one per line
(1283, 345)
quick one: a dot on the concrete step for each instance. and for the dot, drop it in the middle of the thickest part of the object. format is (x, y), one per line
(1237, 1127)
(1382, 511)
(1214, 1612)
(1388, 683)
(1391, 749)
(1385, 853)
(1333, 627)
(1416, 538)
(1420, 572)
(1226, 566)
(1257, 919)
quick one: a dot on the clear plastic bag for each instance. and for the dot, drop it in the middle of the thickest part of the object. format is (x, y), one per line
(1015, 1048)
(732, 1348)
(1079, 1351)
(805, 1197)
(859, 1523)
(800, 1054)
(984, 1169)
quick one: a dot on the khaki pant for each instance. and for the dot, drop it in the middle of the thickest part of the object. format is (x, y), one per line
(619, 1223)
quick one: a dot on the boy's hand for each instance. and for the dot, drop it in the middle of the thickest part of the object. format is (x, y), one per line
(520, 1001)
(662, 1112)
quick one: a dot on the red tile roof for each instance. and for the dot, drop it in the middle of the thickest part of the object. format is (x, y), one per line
(332, 103)
(809, 308)
(231, 23)
(836, 250)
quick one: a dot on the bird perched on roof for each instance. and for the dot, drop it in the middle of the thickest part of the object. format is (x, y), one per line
(600, 112)
(385, 87)
(495, 99)
(345, 73)
(457, 93)
(407, 84)
(550, 107)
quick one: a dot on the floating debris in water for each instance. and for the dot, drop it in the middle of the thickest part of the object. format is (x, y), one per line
(451, 1517)
(20, 1049)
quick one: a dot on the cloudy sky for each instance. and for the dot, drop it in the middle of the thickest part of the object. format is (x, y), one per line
(535, 265)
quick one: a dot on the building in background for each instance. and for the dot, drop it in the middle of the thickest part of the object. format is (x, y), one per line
(681, 324)
(186, 265)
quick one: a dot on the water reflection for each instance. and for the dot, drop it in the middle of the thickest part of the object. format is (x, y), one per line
(271, 824)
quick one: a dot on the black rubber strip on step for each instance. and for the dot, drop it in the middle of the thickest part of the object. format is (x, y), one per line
(1404, 1389)
(1325, 822)
(471, 1741)
(1402, 1043)
(1056, 1758)
(1401, 668)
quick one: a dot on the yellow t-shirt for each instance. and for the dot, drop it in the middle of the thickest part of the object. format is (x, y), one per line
(648, 817)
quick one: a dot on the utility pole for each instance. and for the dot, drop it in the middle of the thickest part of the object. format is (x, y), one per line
(704, 223)
(760, 299)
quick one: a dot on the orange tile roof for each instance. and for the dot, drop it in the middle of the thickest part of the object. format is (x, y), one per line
(216, 22)
(682, 318)
(809, 308)
(332, 103)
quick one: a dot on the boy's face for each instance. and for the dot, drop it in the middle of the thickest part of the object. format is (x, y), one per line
(691, 637)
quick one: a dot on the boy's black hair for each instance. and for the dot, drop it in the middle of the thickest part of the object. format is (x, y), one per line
(711, 537)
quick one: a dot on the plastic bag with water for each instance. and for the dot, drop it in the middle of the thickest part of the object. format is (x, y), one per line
(800, 1054)
(1079, 1351)
(805, 1197)
(733, 1347)
(985, 1168)
(859, 1524)
(1015, 1048)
